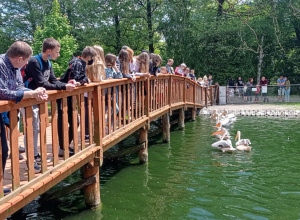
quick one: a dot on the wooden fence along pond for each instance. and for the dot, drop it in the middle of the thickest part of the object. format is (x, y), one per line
(139, 103)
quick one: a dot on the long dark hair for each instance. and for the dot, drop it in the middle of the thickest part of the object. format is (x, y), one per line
(124, 60)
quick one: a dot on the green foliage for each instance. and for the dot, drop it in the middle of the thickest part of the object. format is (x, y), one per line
(223, 44)
(56, 25)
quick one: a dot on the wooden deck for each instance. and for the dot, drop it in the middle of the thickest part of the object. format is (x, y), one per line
(139, 103)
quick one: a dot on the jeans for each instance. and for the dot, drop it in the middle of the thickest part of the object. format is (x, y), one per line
(287, 94)
(36, 127)
(3, 144)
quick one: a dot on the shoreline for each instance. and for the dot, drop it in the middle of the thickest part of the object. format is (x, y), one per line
(278, 110)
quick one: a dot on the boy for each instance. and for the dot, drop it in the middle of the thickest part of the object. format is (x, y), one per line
(76, 72)
(39, 73)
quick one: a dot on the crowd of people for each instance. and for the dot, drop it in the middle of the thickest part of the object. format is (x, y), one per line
(246, 90)
(25, 76)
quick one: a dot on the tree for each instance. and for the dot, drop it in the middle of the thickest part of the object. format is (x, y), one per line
(56, 25)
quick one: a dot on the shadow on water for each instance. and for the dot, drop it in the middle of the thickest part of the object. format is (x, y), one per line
(187, 179)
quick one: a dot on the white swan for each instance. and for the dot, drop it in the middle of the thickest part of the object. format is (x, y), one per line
(242, 144)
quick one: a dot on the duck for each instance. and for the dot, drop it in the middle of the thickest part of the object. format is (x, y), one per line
(222, 133)
(242, 144)
(224, 146)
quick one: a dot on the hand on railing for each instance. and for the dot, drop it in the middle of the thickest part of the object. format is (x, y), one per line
(133, 78)
(40, 94)
(73, 81)
(70, 86)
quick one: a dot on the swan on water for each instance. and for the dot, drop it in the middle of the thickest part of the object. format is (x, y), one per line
(242, 144)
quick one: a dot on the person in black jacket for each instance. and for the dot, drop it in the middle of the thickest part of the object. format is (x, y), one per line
(76, 71)
(39, 73)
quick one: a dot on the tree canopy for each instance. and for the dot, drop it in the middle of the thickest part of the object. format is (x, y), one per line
(224, 38)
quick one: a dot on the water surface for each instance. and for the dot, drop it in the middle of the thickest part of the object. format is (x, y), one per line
(187, 179)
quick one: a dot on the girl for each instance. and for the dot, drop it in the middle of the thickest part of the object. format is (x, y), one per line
(156, 61)
(142, 65)
(249, 86)
(96, 71)
(112, 72)
(287, 89)
(123, 62)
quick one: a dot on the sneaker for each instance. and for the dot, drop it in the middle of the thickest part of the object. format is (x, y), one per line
(6, 191)
(37, 168)
(21, 149)
(38, 159)
(61, 152)
(21, 157)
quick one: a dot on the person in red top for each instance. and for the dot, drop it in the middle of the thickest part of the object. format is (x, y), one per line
(264, 82)
(257, 93)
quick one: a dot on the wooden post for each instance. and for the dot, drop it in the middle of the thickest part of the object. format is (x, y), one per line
(166, 127)
(143, 139)
(181, 119)
(194, 114)
(92, 192)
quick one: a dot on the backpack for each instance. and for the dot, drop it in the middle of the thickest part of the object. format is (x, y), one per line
(39, 58)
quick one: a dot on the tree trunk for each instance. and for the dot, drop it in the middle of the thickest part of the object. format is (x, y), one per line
(150, 27)
(220, 8)
(261, 56)
(118, 32)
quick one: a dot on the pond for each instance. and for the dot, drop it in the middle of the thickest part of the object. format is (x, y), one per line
(188, 179)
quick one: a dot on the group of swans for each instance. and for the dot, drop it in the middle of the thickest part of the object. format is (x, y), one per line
(224, 144)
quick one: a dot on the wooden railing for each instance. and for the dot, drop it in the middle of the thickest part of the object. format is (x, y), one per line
(139, 103)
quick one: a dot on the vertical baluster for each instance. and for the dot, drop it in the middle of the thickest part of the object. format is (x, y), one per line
(54, 132)
(90, 95)
(155, 95)
(140, 98)
(128, 102)
(132, 101)
(103, 113)
(124, 104)
(65, 128)
(1, 168)
(143, 96)
(82, 121)
(115, 107)
(43, 144)
(75, 122)
(120, 106)
(109, 109)
(14, 149)
(136, 100)
(29, 142)
(151, 95)
(97, 116)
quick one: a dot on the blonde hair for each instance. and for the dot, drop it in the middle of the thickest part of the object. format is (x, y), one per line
(143, 60)
(204, 77)
(130, 53)
(100, 52)
(96, 71)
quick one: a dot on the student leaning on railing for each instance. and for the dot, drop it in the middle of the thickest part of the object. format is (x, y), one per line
(11, 85)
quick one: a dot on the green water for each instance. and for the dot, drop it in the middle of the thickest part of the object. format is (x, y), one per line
(187, 179)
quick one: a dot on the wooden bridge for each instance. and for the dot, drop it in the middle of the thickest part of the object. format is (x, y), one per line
(139, 103)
